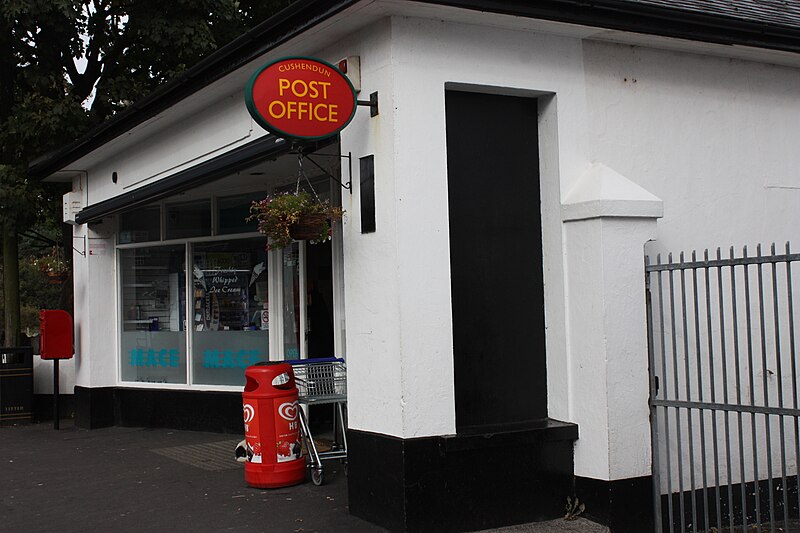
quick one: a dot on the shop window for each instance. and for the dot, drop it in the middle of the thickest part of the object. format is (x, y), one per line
(232, 213)
(197, 313)
(188, 219)
(140, 225)
(153, 312)
(230, 310)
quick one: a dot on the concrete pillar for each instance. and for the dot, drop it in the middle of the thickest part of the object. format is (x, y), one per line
(607, 220)
(95, 365)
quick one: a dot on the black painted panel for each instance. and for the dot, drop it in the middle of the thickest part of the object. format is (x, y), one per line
(458, 483)
(191, 410)
(375, 479)
(197, 411)
(367, 193)
(625, 505)
(43, 406)
(94, 407)
(495, 260)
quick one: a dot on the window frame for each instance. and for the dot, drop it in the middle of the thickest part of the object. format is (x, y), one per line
(275, 281)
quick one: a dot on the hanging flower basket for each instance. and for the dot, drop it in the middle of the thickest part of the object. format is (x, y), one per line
(285, 217)
(53, 266)
(308, 227)
(57, 278)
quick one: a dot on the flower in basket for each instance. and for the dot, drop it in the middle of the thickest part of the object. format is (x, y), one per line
(288, 216)
(52, 265)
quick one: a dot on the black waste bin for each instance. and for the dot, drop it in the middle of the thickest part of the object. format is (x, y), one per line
(16, 385)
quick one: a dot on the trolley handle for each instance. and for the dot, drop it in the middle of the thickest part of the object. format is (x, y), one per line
(314, 361)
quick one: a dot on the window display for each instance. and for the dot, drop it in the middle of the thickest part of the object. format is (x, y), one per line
(153, 307)
(230, 310)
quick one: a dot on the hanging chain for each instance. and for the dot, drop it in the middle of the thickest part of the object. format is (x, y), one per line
(302, 175)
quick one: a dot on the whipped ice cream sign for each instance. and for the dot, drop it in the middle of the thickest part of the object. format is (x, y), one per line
(301, 98)
(228, 282)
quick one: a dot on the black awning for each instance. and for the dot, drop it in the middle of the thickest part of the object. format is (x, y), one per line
(219, 167)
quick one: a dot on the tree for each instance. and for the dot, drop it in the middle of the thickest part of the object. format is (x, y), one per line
(128, 48)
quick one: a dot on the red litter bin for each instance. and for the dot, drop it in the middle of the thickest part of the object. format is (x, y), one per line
(272, 427)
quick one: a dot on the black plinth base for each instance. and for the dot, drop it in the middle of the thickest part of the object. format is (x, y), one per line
(461, 483)
(191, 410)
(624, 505)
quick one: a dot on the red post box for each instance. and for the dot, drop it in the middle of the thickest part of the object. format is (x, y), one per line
(272, 427)
(55, 338)
(55, 334)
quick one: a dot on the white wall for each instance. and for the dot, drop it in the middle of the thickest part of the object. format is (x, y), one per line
(43, 375)
(372, 261)
(715, 138)
(198, 136)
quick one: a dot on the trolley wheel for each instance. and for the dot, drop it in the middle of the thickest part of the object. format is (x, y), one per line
(317, 478)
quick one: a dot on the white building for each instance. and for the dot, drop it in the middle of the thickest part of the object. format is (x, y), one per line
(487, 284)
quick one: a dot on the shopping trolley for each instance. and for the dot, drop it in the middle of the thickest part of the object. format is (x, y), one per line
(322, 381)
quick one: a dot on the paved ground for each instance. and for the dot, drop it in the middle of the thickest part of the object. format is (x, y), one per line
(133, 479)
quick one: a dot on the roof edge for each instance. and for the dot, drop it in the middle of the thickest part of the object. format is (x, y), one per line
(651, 19)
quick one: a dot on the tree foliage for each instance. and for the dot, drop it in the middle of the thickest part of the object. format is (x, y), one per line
(127, 49)
(68, 65)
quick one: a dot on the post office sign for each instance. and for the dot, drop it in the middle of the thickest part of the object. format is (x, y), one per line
(301, 98)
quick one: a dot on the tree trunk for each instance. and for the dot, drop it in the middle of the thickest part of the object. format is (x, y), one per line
(11, 285)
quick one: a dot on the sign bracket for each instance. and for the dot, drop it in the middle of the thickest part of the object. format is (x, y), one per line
(372, 103)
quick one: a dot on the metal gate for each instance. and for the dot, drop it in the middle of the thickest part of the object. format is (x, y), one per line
(724, 391)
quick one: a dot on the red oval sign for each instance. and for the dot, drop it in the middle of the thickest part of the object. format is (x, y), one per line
(302, 98)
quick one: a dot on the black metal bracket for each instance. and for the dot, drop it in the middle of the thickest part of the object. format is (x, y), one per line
(83, 240)
(349, 157)
(372, 103)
